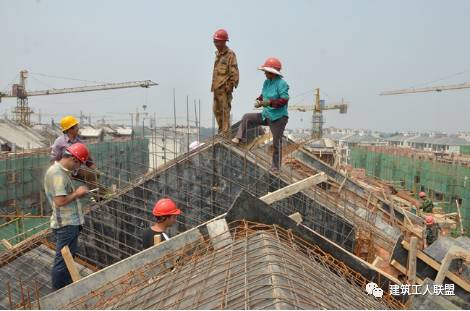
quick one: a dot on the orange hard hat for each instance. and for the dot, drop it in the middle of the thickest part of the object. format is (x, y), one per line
(422, 194)
(272, 65)
(429, 220)
(79, 151)
(221, 35)
(165, 207)
(273, 62)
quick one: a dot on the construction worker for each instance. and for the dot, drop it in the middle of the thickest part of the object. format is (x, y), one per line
(67, 214)
(432, 231)
(165, 212)
(70, 128)
(224, 79)
(426, 204)
(274, 98)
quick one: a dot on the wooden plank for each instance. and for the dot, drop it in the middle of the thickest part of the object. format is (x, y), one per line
(67, 255)
(6, 244)
(411, 227)
(402, 269)
(342, 184)
(460, 218)
(78, 260)
(436, 266)
(294, 188)
(157, 239)
(296, 217)
(455, 252)
(378, 260)
(412, 260)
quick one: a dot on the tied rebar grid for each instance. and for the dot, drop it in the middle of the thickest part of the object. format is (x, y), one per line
(136, 193)
(264, 267)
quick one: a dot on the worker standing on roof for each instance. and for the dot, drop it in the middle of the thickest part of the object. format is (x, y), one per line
(431, 232)
(70, 128)
(67, 214)
(165, 212)
(274, 98)
(426, 204)
(225, 78)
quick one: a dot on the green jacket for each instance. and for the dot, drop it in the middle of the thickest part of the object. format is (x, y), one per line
(427, 206)
(432, 233)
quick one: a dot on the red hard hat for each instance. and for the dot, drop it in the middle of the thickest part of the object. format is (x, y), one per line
(422, 194)
(429, 220)
(79, 151)
(165, 207)
(273, 63)
(221, 35)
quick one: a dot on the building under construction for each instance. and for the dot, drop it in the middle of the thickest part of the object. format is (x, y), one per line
(445, 178)
(247, 238)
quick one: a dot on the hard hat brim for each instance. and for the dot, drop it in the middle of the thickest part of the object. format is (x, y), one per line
(219, 39)
(70, 126)
(271, 70)
(175, 212)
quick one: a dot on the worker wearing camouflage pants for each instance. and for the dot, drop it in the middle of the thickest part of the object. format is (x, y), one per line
(224, 80)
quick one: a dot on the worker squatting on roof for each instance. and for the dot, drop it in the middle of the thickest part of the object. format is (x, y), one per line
(426, 204)
(274, 98)
(165, 212)
(224, 79)
(67, 213)
(70, 128)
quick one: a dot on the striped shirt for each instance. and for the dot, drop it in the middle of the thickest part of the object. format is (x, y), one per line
(58, 182)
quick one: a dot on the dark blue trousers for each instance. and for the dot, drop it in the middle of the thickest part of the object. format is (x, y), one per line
(67, 235)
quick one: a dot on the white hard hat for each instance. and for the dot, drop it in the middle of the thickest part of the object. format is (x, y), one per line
(195, 144)
(271, 70)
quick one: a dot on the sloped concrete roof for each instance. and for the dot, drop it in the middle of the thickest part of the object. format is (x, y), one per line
(21, 136)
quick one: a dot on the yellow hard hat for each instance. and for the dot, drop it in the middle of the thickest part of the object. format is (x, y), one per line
(67, 122)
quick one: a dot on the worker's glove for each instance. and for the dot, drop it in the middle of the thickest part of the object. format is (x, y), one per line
(261, 103)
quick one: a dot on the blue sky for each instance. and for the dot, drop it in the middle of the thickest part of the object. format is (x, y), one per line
(350, 49)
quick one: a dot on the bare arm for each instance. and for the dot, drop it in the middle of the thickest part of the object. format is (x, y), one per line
(63, 200)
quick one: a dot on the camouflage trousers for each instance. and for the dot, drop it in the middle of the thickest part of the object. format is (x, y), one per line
(222, 106)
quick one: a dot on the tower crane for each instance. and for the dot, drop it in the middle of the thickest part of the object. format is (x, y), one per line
(22, 110)
(428, 89)
(317, 108)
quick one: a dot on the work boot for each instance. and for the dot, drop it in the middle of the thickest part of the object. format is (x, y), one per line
(235, 140)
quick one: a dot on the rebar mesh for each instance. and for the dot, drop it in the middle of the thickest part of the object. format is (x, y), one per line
(264, 267)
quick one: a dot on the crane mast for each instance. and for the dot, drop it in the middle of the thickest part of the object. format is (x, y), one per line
(317, 112)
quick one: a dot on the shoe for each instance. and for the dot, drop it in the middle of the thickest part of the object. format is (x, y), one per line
(235, 140)
(274, 170)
